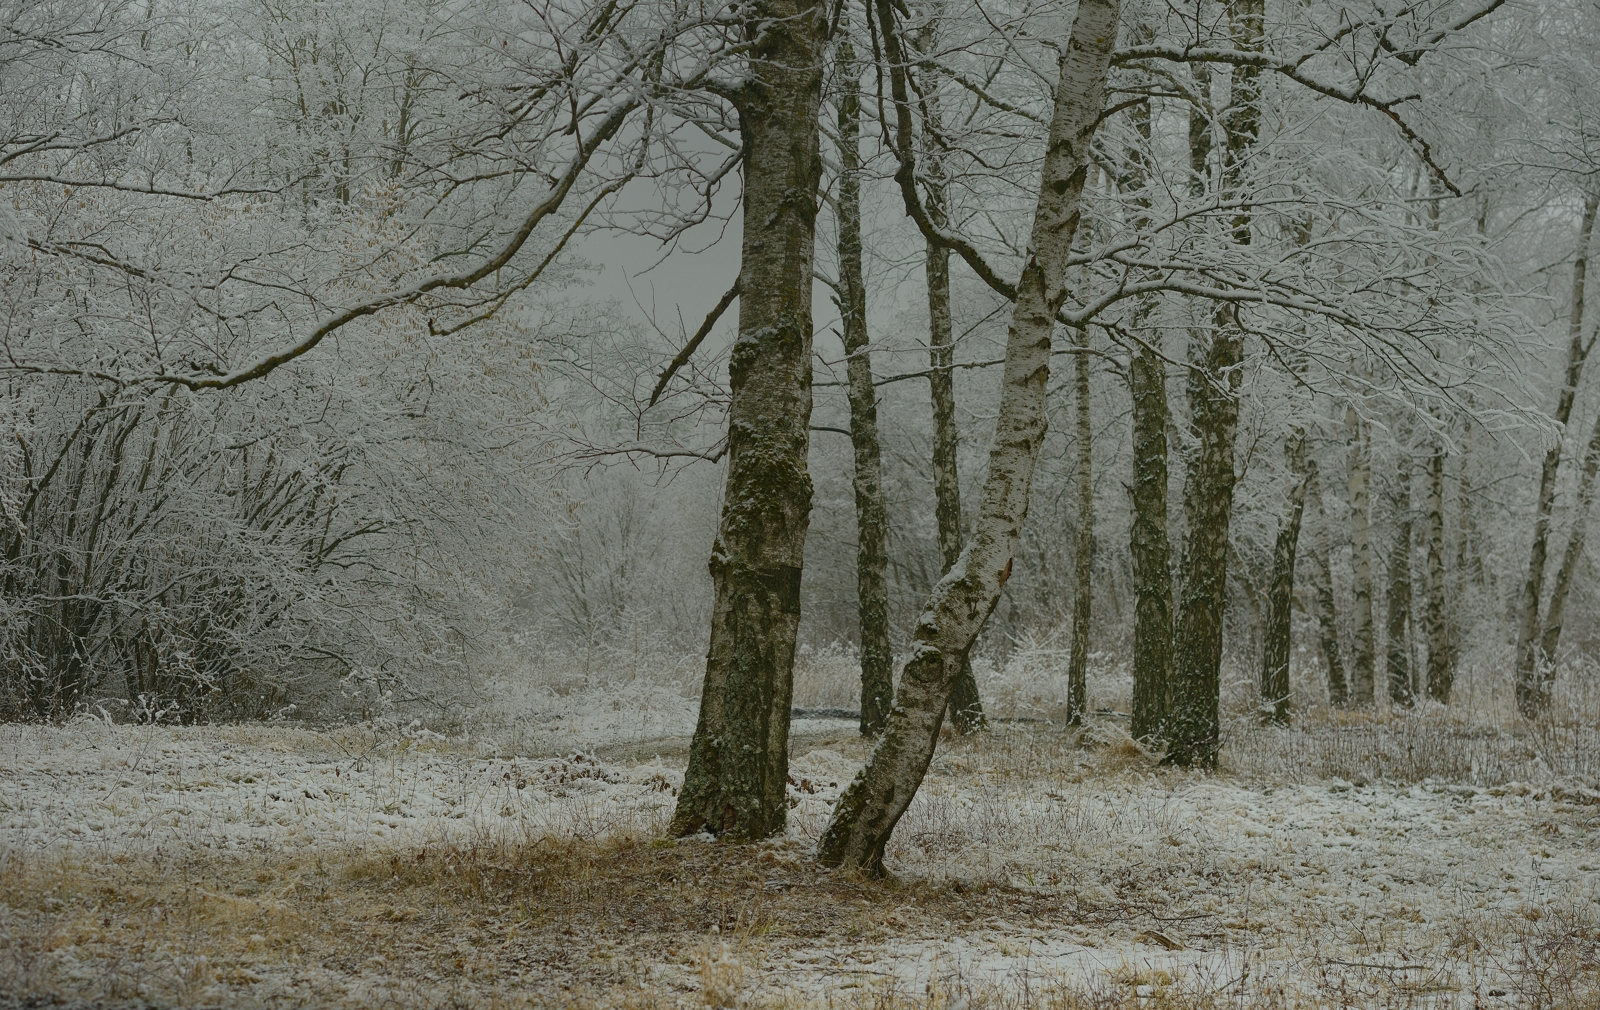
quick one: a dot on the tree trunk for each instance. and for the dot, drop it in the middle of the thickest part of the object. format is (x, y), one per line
(1322, 587)
(1530, 678)
(867, 812)
(1364, 655)
(1399, 617)
(1575, 544)
(1441, 661)
(1469, 556)
(966, 707)
(1275, 637)
(872, 528)
(1214, 380)
(738, 758)
(1147, 535)
(1152, 557)
(1078, 666)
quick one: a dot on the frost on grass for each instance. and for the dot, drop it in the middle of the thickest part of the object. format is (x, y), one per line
(240, 867)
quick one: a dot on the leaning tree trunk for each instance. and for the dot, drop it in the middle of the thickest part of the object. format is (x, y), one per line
(738, 758)
(1322, 588)
(1441, 661)
(1082, 600)
(872, 527)
(1574, 552)
(867, 812)
(1275, 637)
(1530, 678)
(966, 707)
(1398, 659)
(1363, 658)
(1214, 380)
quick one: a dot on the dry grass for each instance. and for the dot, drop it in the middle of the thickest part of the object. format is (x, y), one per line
(1041, 868)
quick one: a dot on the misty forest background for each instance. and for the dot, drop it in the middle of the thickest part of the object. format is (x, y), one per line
(256, 463)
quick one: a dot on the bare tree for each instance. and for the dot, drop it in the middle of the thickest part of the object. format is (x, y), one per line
(1275, 688)
(867, 812)
(872, 534)
(1322, 590)
(738, 759)
(1530, 679)
(1358, 462)
(1398, 653)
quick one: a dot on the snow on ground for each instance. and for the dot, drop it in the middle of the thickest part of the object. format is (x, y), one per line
(106, 789)
(1135, 875)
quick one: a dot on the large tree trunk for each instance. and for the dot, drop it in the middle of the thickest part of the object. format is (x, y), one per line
(1398, 659)
(1152, 558)
(1147, 535)
(1214, 380)
(738, 758)
(1531, 695)
(1082, 600)
(1275, 637)
(1322, 589)
(872, 528)
(1573, 554)
(1363, 656)
(868, 810)
(1441, 661)
(966, 707)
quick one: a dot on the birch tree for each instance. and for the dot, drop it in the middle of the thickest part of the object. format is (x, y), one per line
(867, 812)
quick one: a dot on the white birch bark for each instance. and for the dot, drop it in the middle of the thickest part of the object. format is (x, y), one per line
(870, 808)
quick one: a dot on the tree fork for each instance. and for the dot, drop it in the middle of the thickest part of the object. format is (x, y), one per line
(1530, 679)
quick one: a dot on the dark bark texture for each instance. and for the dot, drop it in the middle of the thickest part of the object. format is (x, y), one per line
(966, 706)
(872, 527)
(1531, 677)
(1398, 654)
(1322, 591)
(1082, 597)
(1147, 536)
(1213, 387)
(1275, 637)
(1151, 554)
(1441, 649)
(1363, 656)
(738, 759)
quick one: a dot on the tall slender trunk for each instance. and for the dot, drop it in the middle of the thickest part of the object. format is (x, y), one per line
(1213, 388)
(1398, 658)
(869, 809)
(966, 705)
(1469, 557)
(738, 758)
(1275, 638)
(1152, 557)
(1147, 535)
(1077, 668)
(1322, 587)
(1441, 661)
(1573, 554)
(1363, 657)
(1531, 694)
(872, 527)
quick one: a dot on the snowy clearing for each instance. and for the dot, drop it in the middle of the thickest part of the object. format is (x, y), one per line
(187, 865)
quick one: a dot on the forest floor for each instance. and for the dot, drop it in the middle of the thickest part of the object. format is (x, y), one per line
(1039, 867)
